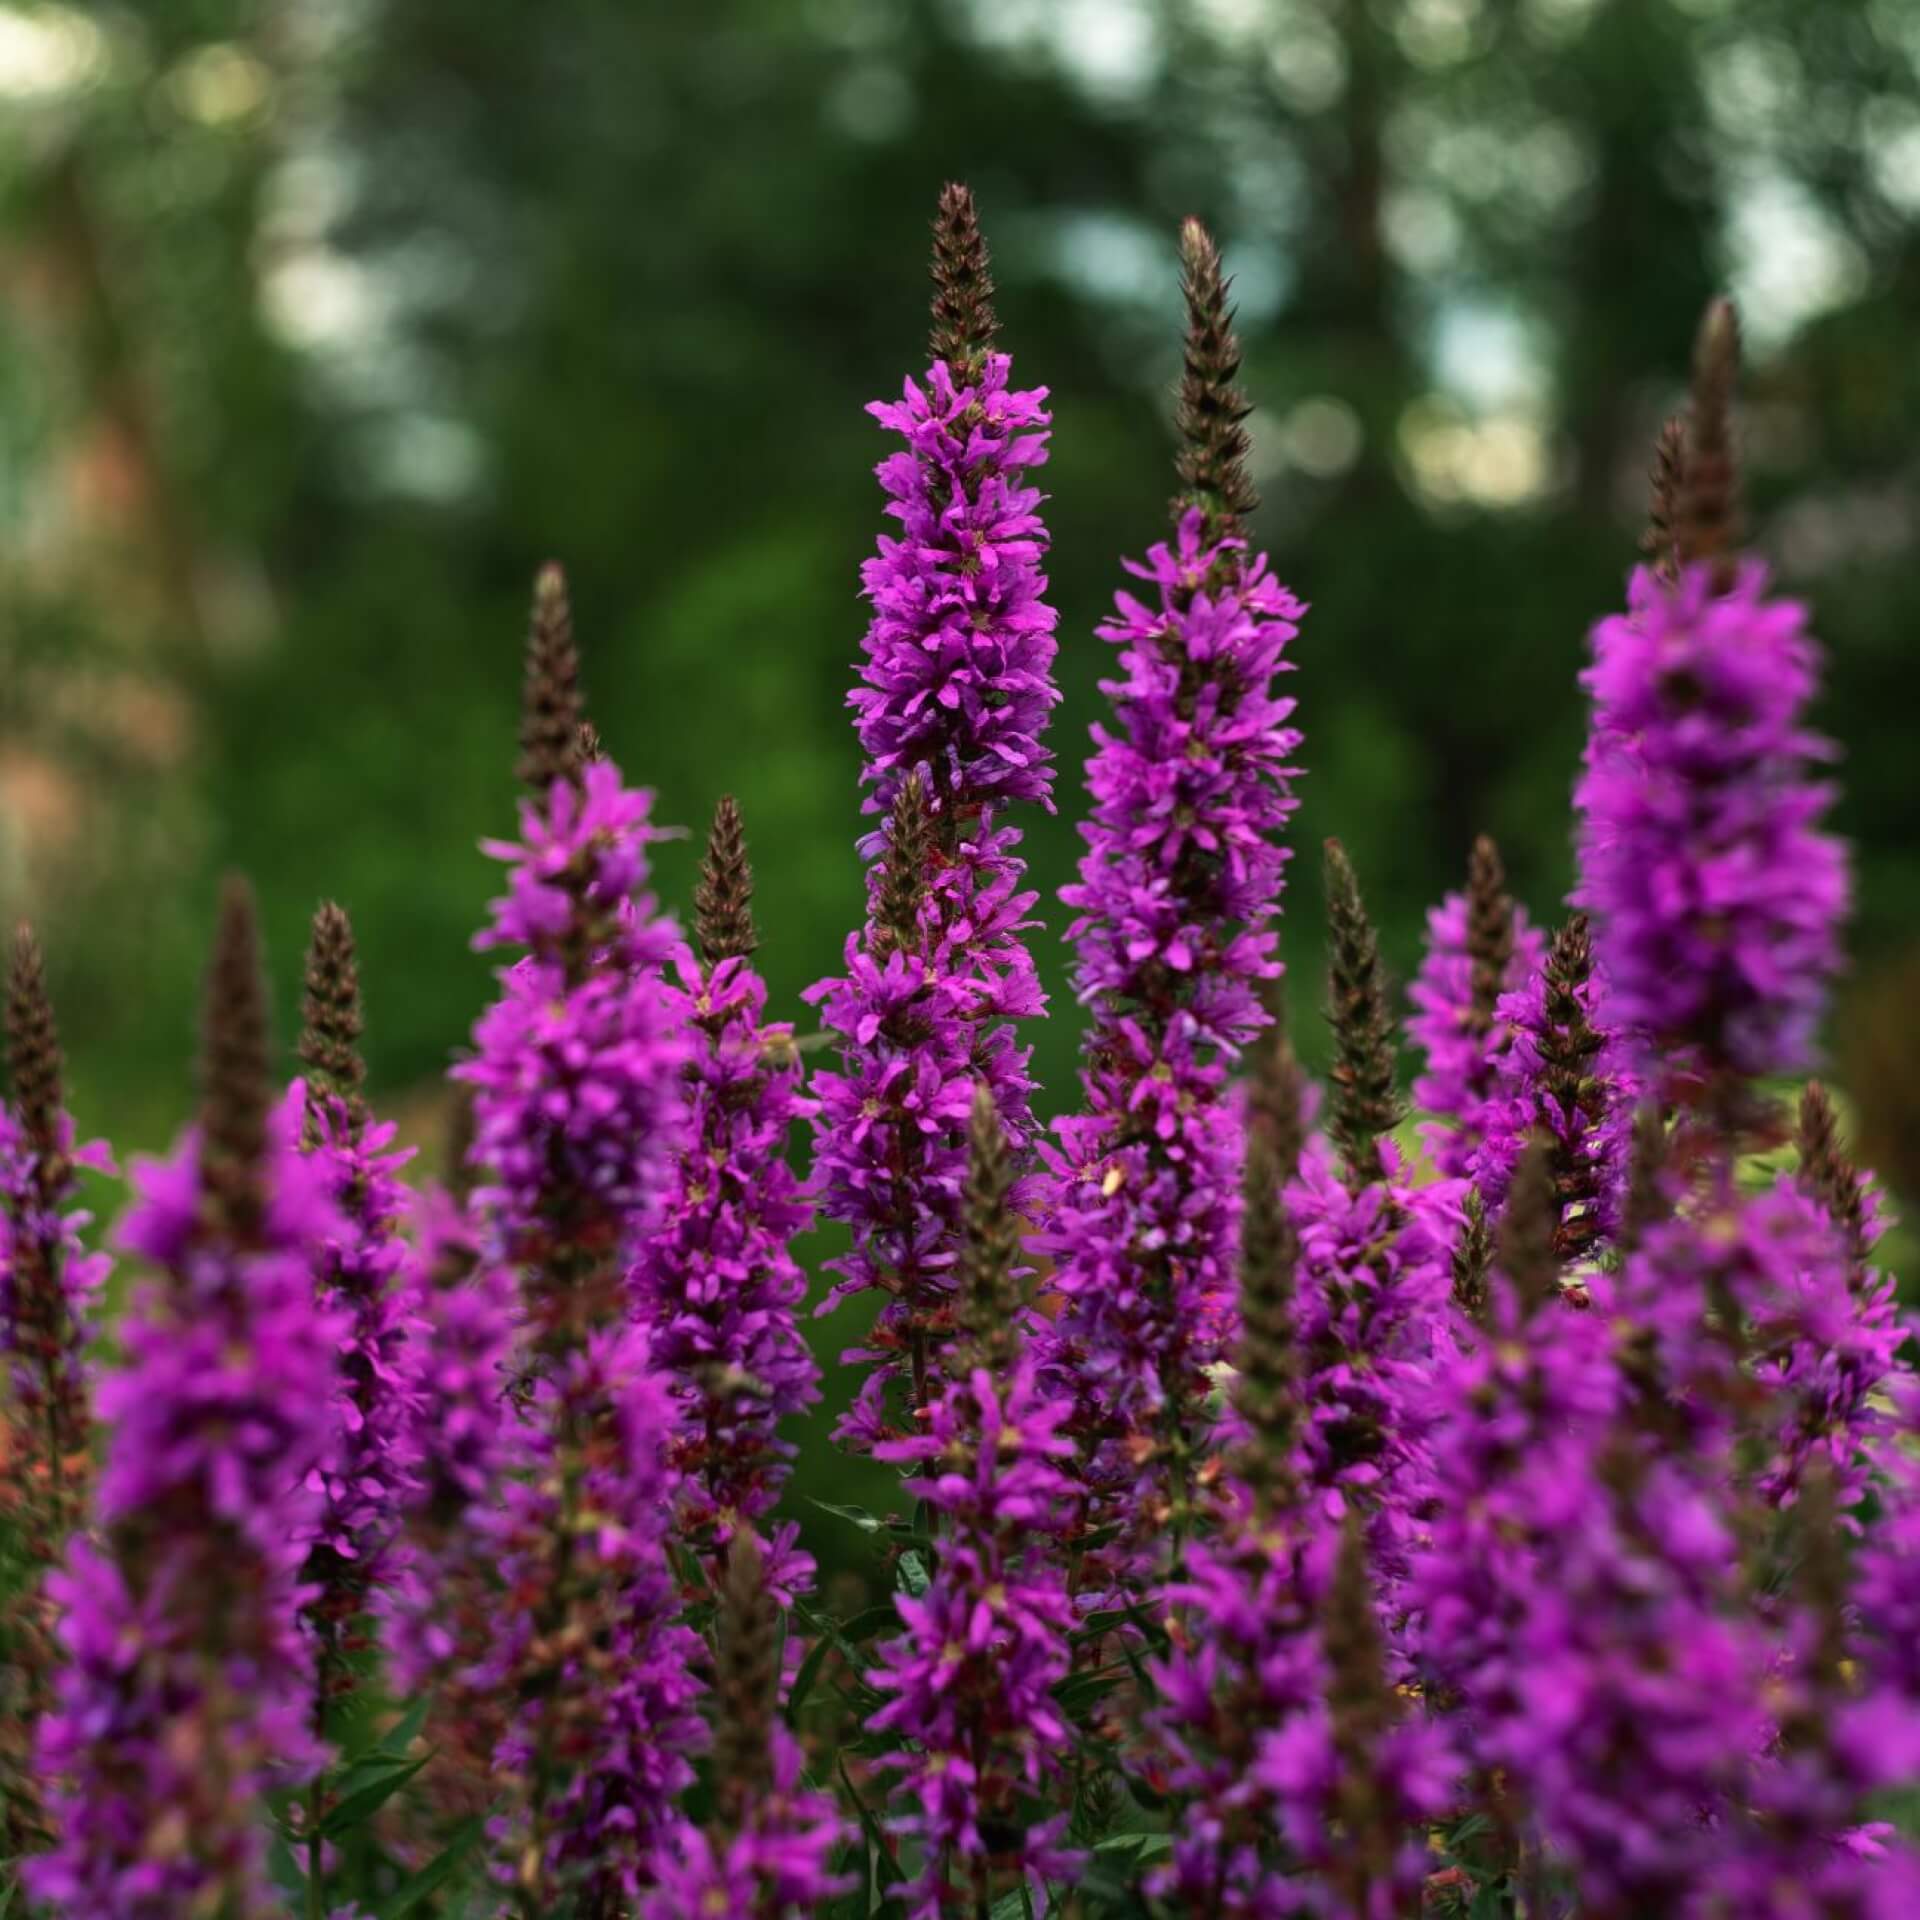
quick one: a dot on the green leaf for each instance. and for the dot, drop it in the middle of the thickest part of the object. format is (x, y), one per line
(863, 1626)
(363, 1801)
(861, 1518)
(435, 1874)
(404, 1731)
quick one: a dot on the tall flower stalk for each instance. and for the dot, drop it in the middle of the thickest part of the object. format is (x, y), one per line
(1715, 895)
(717, 1283)
(1479, 947)
(359, 1276)
(577, 1113)
(1564, 1073)
(363, 1276)
(189, 1686)
(1190, 785)
(956, 688)
(970, 1681)
(767, 1853)
(47, 1283)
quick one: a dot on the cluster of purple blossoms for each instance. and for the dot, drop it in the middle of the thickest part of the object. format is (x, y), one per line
(717, 1283)
(971, 1680)
(1463, 1051)
(47, 1283)
(361, 1274)
(1373, 1279)
(957, 685)
(596, 1756)
(577, 1117)
(577, 1064)
(1563, 1075)
(1175, 900)
(779, 1863)
(1287, 1776)
(1718, 901)
(1762, 1341)
(465, 1442)
(189, 1686)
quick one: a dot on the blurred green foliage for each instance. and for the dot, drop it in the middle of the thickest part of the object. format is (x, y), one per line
(326, 321)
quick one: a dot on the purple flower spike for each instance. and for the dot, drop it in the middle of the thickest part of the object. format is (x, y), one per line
(956, 690)
(47, 1284)
(1717, 899)
(717, 1283)
(1175, 900)
(1479, 946)
(360, 1275)
(190, 1685)
(1563, 1074)
(972, 1677)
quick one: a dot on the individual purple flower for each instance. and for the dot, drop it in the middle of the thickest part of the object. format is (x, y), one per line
(1564, 1074)
(1176, 894)
(189, 1688)
(971, 1679)
(717, 1282)
(955, 692)
(1479, 947)
(1717, 901)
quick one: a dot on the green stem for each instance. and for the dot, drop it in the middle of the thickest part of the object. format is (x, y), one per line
(316, 1870)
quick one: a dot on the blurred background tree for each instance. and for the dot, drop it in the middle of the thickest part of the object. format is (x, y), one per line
(323, 322)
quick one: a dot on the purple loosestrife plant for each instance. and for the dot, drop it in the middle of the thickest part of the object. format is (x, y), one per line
(47, 1284)
(970, 1681)
(768, 1852)
(600, 1742)
(1375, 1262)
(1178, 888)
(1564, 1074)
(1479, 947)
(577, 1118)
(717, 1282)
(189, 1686)
(361, 1276)
(955, 693)
(1717, 900)
(467, 1439)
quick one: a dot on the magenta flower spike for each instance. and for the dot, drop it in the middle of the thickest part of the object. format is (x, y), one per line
(1564, 1074)
(360, 1276)
(1479, 947)
(48, 1281)
(189, 1686)
(1178, 888)
(955, 693)
(1717, 899)
(768, 1851)
(578, 1119)
(970, 1681)
(717, 1282)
